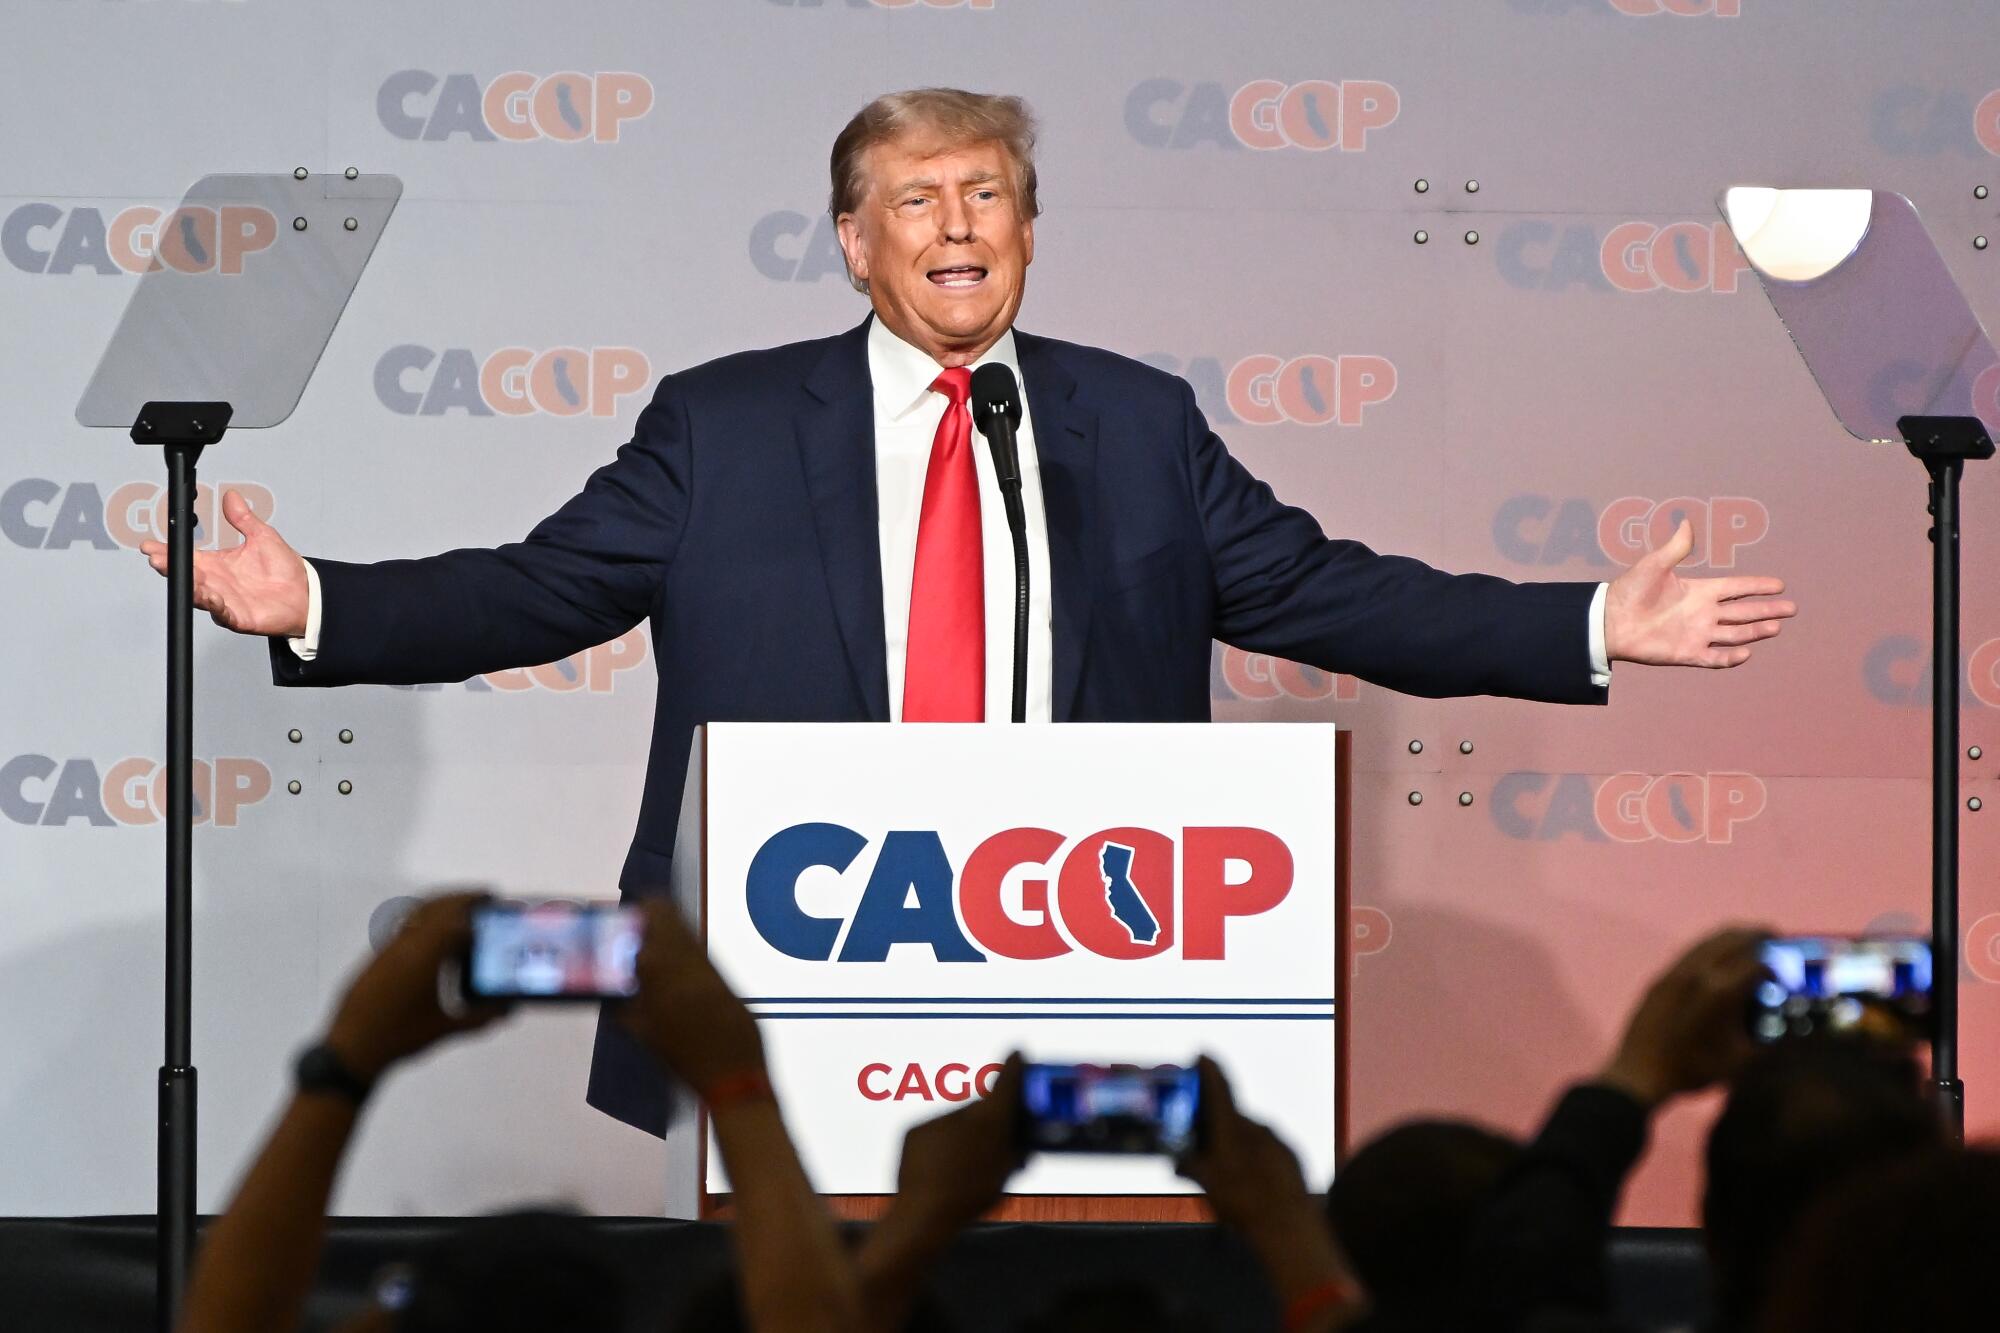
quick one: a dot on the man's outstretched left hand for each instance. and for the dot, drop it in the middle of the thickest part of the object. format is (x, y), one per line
(1655, 616)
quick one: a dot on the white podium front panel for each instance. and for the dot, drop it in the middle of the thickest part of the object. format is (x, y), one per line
(904, 905)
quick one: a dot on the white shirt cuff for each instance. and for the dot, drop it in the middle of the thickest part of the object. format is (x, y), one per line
(1600, 658)
(306, 646)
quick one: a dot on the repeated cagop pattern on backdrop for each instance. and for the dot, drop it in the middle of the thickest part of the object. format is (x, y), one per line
(1448, 273)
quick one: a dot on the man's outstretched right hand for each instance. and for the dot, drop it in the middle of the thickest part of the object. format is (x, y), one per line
(256, 588)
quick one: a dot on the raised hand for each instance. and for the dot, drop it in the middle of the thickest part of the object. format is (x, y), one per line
(684, 1013)
(1254, 1184)
(1251, 1178)
(257, 588)
(391, 1009)
(1655, 616)
(792, 1273)
(1692, 1027)
(956, 1165)
(257, 1260)
(953, 1168)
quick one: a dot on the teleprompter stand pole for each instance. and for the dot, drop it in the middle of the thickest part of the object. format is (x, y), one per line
(183, 430)
(1944, 445)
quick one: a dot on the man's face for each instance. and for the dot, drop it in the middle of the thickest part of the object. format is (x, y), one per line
(940, 241)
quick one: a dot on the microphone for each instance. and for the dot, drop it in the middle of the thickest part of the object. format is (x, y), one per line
(996, 410)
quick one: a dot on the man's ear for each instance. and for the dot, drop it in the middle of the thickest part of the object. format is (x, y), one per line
(1027, 242)
(848, 228)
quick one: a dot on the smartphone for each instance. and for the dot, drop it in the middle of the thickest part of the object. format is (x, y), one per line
(552, 951)
(1110, 1109)
(1875, 986)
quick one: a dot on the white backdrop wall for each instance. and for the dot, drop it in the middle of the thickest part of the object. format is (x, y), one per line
(1595, 357)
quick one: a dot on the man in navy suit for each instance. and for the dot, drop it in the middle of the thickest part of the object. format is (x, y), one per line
(814, 538)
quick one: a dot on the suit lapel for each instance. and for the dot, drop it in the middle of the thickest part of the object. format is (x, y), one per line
(835, 428)
(1066, 450)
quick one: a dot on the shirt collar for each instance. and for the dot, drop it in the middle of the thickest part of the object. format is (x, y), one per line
(902, 373)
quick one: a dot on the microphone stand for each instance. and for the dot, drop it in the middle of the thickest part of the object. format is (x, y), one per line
(997, 411)
(1017, 527)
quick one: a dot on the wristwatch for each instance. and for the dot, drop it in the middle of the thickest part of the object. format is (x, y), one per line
(320, 1069)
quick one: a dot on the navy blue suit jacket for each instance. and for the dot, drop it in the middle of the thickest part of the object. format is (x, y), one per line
(741, 520)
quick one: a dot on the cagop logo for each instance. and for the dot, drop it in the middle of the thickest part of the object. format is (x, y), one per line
(787, 246)
(1904, 385)
(1260, 678)
(1114, 893)
(1268, 390)
(952, 1082)
(592, 671)
(1915, 120)
(1266, 114)
(1312, 390)
(516, 107)
(45, 515)
(1540, 530)
(1679, 257)
(414, 380)
(1534, 254)
(1981, 952)
(40, 790)
(1626, 807)
(44, 238)
(1369, 932)
(1896, 670)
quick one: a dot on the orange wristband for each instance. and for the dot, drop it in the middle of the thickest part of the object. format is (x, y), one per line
(749, 1085)
(1318, 1300)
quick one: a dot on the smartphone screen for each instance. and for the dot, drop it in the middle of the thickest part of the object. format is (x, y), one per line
(1830, 984)
(553, 951)
(1109, 1108)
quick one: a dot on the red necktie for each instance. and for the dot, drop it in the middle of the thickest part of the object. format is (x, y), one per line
(944, 664)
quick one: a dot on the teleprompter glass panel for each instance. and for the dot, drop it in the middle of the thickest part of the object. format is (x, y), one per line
(1870, 305)
(247, 277)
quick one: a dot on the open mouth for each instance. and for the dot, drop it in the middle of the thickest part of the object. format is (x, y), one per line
(964, 275)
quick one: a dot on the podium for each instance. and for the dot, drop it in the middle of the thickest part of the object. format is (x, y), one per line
(902, 906)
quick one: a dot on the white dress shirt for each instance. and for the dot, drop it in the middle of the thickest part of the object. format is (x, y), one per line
(907, 413)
